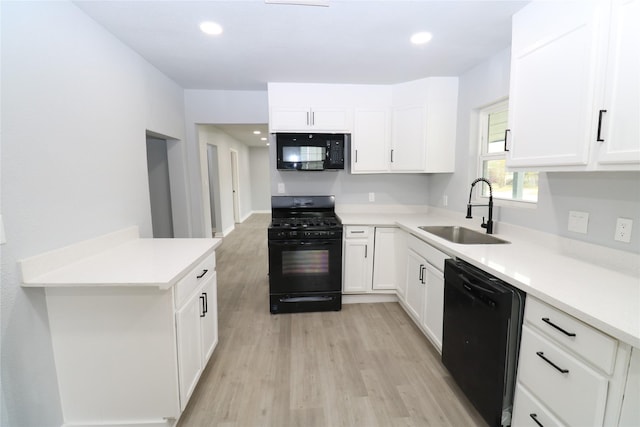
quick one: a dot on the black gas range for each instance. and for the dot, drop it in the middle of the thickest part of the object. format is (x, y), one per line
(305, 255)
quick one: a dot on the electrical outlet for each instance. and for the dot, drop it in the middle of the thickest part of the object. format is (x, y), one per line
(578, 222)
(372, 197)
(623, 230)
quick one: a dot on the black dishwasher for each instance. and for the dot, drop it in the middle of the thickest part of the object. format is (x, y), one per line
(481, 338)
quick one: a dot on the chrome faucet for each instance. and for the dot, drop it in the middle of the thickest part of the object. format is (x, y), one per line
(489, 224)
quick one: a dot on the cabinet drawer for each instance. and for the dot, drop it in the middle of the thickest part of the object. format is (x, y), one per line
(578, 395)
(196, 276)
(527, 410)
(357, 231)
(589, 343)
(432, 255)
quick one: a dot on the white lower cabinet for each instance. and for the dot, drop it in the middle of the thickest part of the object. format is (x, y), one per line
(369, 264)
(434, 305)
(414, 300)
(531, 413)
(197, 335)
(130, 350)
(569, 373)
(358, 259)
(385, 274)
(424, 299)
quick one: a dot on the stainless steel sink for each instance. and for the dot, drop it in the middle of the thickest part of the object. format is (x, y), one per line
(463, 235)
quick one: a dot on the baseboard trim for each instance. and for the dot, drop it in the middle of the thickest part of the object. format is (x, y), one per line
(368, 298)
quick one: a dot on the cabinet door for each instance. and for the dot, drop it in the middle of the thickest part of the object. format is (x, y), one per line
(433, 305)
(620, 125)
(289, 119)
(209, 322)
(358, 257)
(414, 299)
(384, 262)
(189, 346)
(553, 78)
(408, 139)
(630, 415)
(330, 119)
(401, 263)
(370, 141)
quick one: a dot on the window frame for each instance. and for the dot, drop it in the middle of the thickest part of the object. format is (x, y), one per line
(483, 155)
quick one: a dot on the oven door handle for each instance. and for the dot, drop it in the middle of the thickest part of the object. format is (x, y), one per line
(305, 243)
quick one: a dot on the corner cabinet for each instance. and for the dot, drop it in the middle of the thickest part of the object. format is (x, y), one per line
(133, 323)
(415, 134)
(574, 99)
(369, 264)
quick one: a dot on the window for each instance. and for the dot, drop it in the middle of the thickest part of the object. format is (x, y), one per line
(516, 186)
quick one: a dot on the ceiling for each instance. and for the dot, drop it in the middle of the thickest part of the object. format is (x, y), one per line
(350, 41)
(245, 133)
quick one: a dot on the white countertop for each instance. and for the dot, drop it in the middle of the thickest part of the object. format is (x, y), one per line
(593, 292)
(132, 262)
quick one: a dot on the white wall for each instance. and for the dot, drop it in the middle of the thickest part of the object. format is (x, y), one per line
(215, 107)
(75, 107)
(260, 175)
(605, 195)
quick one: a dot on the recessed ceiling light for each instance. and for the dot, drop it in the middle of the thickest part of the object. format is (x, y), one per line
(211, 28)
(264, 138)
(267, 144)
(256, 132)
(421, 38)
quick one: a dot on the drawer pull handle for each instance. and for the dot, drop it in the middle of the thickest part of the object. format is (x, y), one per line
(541, 355)
(548, 322)
(202, 275)
(534, 417)
(357, 231)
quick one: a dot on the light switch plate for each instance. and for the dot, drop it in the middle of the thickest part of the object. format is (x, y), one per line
(578, 222)
(280, 187)
(372, 197)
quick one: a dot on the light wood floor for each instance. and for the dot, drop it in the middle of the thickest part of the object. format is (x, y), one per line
(367, 365)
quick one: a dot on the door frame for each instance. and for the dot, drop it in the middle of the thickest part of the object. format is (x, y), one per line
(235, 185)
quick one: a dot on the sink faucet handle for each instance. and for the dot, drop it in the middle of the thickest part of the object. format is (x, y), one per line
(484, 224)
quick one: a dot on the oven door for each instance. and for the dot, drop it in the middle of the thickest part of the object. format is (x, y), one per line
(297, 266)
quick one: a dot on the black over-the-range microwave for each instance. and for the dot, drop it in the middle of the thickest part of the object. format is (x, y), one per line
(310, 151)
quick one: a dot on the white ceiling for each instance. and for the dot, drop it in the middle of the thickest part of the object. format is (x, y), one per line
(244, 133)
(351, 41)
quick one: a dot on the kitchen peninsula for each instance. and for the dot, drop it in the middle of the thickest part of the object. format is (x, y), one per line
(133, 323)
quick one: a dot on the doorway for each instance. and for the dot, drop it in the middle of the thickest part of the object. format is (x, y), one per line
(214, 190)
(159, 187)
(234, 186)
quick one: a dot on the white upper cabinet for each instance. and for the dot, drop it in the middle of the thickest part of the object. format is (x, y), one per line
(424, 125)
(620, 124)
(403, 128)
(370, 152)
(408, 147)
(559, 105)
(309, 119)
(295, 107)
